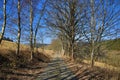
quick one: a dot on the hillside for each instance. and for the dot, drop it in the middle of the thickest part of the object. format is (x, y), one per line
(113, 44)
(21, 65)
(8, 45)
(13, 67)
(111, 52)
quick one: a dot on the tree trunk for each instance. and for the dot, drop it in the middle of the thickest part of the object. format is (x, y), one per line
(38, 24)
(92, 55)
(4, 23)
(63, 51)
(34, 43)
(72, 50)
(72, 26)
(31, 30)
(92, 32)
(19, 29)
(42, 44)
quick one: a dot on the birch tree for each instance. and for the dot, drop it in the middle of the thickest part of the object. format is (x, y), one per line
(31, 29)
(101, 24)
(38, 23)
(92, 31)
(19, 30)
(4, 22)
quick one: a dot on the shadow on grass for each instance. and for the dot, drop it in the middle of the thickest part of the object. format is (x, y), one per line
(19, 67)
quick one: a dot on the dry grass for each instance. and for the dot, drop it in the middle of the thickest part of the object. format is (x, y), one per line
(111, 61)
(13, 67)
(101, 71)
(103, 65)
(46, 52)
(9, 48)
(112, 58)
(6, 46)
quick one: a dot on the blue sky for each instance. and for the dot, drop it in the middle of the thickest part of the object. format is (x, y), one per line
(11, 29)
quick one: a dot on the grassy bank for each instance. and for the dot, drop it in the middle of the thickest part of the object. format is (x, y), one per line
(20, 67)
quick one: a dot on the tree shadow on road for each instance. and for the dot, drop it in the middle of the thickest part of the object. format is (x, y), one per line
(60, 70)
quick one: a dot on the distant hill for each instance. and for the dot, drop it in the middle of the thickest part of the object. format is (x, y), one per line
(38, 44)
(108, 44)
(7, 39)
(113, 44)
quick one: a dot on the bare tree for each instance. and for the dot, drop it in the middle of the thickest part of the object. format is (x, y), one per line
(19, 29)
(38, 23)
(92, 31)
(101, 22)
(4, 23)
(31, 29)
(41, 38)
(66, 20)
